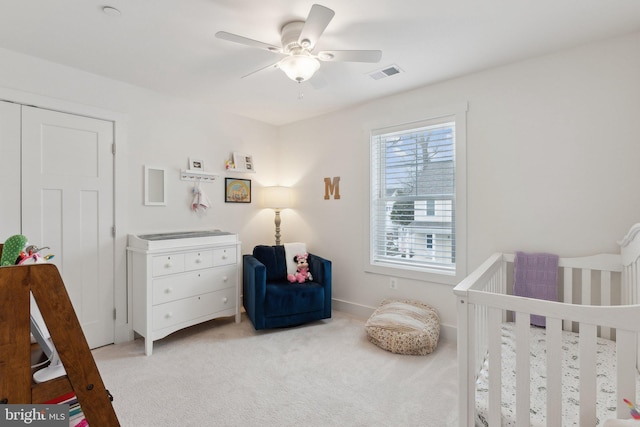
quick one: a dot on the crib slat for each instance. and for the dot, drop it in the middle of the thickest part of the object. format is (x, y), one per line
(586, 286)
(554, 372)
(633, 291)
(480, 344)
(625, 361)
(605, 298)
(568, 294)
(587, 348)
(495, 366)
(523, 393)
(633, 298)
(466, 361)
(627, 282)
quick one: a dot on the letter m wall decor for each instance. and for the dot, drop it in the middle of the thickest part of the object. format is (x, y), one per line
(332, 187)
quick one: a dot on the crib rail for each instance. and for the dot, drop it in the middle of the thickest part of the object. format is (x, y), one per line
(596, 299)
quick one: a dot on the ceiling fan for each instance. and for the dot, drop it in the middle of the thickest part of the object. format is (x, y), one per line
(298, 39)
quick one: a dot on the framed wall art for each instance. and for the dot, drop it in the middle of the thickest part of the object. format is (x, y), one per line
(196, 164)
(237, 190)
(243, 162)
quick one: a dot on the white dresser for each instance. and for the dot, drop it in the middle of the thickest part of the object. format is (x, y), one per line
(181, 279)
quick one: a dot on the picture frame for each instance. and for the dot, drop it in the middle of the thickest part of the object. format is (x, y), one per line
(237, 190)
(243, 161)
(196, 164)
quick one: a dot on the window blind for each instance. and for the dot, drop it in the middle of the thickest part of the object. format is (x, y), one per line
(413, 195)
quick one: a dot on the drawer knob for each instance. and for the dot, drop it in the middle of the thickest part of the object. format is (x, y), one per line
(168, 265)
(168, 290)
(169, 315)
(225, 299)
(225, 278)
(198, 260)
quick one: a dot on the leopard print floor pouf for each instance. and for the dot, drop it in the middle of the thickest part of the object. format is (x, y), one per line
(404, 327)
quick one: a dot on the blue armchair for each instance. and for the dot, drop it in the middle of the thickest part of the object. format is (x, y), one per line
(273, 302)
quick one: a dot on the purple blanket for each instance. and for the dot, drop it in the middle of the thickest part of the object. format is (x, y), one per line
(536, 276)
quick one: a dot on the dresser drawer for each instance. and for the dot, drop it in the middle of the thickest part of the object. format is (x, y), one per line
(192, 283)
(198, 260)
(224, 256)
(184, 310)
(167, 264)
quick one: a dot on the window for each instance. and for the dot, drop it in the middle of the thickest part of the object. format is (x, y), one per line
(415, 203)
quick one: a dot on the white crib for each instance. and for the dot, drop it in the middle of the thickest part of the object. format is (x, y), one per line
(598, 297)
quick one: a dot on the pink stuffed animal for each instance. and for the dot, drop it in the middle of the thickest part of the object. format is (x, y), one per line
(303, 274)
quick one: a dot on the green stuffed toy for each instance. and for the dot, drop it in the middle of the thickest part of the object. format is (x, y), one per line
(12, 249)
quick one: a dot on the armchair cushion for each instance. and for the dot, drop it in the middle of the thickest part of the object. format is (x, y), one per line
(293, 298)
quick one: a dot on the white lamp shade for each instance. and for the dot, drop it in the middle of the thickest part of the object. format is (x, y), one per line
(299, 67)
(277, 197)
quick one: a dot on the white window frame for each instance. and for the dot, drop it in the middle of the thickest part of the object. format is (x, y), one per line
(458, 114)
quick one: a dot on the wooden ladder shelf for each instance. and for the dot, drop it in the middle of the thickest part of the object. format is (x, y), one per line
(16, 383)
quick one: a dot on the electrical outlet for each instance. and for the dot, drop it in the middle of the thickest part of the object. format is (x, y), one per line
(393, 283)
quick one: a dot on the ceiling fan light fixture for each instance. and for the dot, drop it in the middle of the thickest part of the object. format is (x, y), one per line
(299, 67)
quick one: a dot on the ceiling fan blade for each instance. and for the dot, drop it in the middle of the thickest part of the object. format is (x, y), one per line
(350, 55)
(247, 42)
(318, 19)
(276, 65)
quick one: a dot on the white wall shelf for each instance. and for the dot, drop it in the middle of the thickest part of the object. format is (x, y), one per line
(195, 175)
(240, 170)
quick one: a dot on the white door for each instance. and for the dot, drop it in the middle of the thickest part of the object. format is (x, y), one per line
(67, 204)
(9, 170)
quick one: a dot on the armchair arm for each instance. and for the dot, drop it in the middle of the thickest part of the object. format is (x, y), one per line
(321, 271)
(254, 288)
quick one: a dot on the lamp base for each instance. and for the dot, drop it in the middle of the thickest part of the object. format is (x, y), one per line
(277, 227)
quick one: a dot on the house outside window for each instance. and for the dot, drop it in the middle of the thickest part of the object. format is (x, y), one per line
(414, 202)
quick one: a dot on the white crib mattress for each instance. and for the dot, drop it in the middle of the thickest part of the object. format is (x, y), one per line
(606, 380)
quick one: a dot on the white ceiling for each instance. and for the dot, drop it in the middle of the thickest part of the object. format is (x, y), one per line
(169, 45)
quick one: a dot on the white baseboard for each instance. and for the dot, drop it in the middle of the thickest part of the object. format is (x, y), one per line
(448, 333)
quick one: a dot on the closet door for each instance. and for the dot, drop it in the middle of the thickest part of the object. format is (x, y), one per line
(67, 204)
(9, 170)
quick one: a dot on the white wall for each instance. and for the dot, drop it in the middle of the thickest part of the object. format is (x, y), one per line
(553, 145)
(162, 132)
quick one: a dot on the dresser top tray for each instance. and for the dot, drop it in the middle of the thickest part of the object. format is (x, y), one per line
(179, 239)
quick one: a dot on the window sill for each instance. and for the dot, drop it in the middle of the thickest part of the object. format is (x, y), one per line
(415, 273)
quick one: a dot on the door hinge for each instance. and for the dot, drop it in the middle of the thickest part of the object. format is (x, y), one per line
(113, 148)
(113, 231)
(115, 317)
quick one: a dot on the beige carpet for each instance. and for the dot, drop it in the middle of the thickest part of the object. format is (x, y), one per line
(321, 374)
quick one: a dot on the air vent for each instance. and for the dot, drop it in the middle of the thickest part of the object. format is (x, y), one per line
(385, 72)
